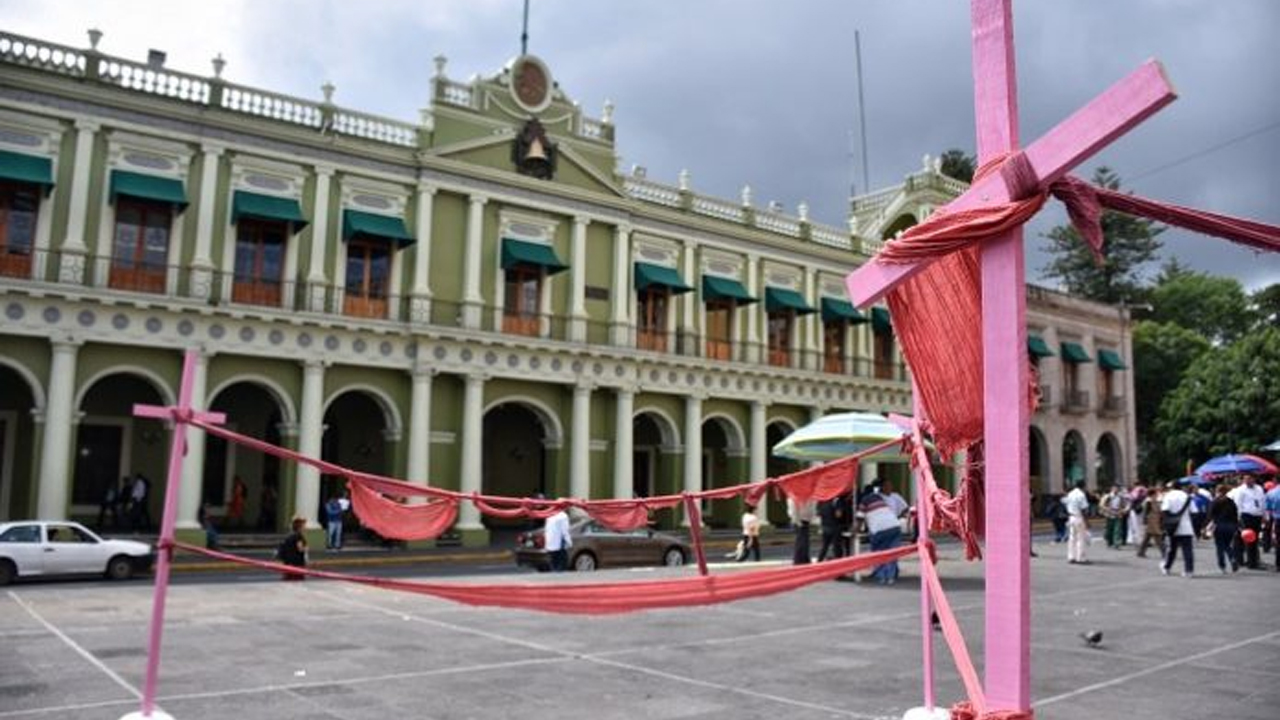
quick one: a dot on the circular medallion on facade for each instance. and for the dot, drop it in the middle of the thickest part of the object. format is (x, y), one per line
(576, 366)
(490, 358)
(14, 311)
(385, 348)
(154, 325)
(534, 363)
(186, 327)
(52, 315)
(689, 379)
(359, 345)
(275, 337)
(331, 342)
(513, 361)
(247, 334)
(724, 383)
(619, 371)
(741, 383)
(654, 375)
(830, 393)
(304, 339)
(844, 394)
(531, 83)
(217, 331)
(755, 385)
(440, 352)
(86, 318)
(672, 376)
(411, 350)
(556, 364)
(466, 355)
(120, 321)
(598, 369)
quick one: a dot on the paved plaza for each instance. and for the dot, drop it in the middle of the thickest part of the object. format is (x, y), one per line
(1172, 648)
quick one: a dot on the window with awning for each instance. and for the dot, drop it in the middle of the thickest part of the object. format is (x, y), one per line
(22, 168)
(722, 288)
(358, 224)
(782, 299)
(520, 253)
(148, 187)
(1110, 359)
(835, 310)
(648, 275)
(1075, 353)
(267, 207)
(880, 320)
(1038, 347)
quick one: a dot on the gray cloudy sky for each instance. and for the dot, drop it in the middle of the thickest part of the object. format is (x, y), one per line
(747, 91)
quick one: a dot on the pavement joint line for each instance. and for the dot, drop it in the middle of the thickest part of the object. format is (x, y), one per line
(135, 692)
(65, 710)
(1154, 669)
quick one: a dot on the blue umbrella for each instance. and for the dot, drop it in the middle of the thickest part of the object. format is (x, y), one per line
(1195, 480)
(1236, 464)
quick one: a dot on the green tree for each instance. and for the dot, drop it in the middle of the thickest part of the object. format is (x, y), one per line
(1266, 306)
(1215, 307)
(959, 165)
(1228, 401)
(1162, 353)
(1128, 244)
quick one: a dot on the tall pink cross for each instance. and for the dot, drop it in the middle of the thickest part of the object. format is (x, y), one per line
(1004, 334)
(180, 415)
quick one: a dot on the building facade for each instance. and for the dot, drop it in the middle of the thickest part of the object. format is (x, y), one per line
(480, 300)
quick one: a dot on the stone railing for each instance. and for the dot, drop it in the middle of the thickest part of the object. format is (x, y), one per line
(719, 209)
(778, 223)
(153, 80)
(284, 108)
(592, 129)
(831, 237)
(372, 127)
(652, 192)
(42, 55)
(454, 93)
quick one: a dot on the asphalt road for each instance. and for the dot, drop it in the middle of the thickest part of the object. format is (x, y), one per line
(245, 647)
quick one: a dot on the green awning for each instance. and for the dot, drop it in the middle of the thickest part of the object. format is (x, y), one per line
(720, 288)
(267, 207)
(1075, 353)
(1038, 347)
(1110, 359)
(781, 299)
(356, 223)
(148, 187)
(518, 252)
(26, 169)
(647, 274)
(834, 310)
(880, 320)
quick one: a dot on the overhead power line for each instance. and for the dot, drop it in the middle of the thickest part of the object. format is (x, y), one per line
(1206, 151)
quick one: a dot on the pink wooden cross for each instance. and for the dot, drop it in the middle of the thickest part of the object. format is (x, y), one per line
(1006, 420)
(180, 416)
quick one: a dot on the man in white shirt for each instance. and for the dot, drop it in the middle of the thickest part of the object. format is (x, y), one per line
(1178, 502)
(1077, 503)
(884, 530)
(557, 541)
(1251, 502)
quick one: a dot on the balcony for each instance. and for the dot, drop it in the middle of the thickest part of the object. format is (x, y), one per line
(1046, 395)
(1113, 406)
(1075, 401)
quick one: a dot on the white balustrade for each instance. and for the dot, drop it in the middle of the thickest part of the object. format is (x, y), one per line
(455, 93)
(778, 223)
(716, 208)
(25, 51)
(372, 127)
(273, 106)
(652, 192)
(154, 81)
(592, 129)
(830, 236)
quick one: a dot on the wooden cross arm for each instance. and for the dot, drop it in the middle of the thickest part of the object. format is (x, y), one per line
(166, 413)
(1108, 116)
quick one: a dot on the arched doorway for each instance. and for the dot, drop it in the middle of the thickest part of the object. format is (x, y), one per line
(254, 410)
(514, 457)
(1073, 459)
(18, 400)
(776, 467)
(654, 464)
(722, 451)
(1106, 463)
(112, 444)
(1038, 470)
(359, 429)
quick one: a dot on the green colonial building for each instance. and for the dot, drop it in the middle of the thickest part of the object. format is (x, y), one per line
(481, 300)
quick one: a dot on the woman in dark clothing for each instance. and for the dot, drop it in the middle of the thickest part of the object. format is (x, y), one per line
(1226, 525)
(293, 550)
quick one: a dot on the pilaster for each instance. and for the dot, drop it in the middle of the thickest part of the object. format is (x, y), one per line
(73, 256)
(472, 299)
(55, 450)
(420, 295)
(316, 279)
(201, 271)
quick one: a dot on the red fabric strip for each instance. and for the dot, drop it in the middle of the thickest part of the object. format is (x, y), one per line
(603, 598)
(392, 520)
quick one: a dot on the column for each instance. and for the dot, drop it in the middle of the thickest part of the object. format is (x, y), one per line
(55, 451)
(619, 330)
(472, 428)
(307, 493)
(192, 490)
(758, 452)
(201, 279)
(316, 279)
(472, 300)
(419, 463)
(623, 446)
(690, 329)
(420, 295)
(580, 444)
(809, 346)
(578, 269)
(753, 311)
(71, 263)
(692, 446)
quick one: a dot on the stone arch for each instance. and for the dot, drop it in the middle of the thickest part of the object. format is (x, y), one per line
(553, 429)
(22, 399)
(669, 428)
(736, 439)
(1039, 471)
(390, 413)
(775, 430)
(1108, 465)
(1075, 459)
(258, 407)
(288, 411)
(655, 464)
(33, 382)
(156, 382)
(724, 451)
(902, 222)
(520, 440)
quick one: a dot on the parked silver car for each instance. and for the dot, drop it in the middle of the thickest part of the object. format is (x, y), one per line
(39, 548)
(595, 546)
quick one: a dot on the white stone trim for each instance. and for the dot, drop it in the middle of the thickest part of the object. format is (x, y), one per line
(33, 382)
(551, 425)
(390, 413)
(157, 383)
(284, 403)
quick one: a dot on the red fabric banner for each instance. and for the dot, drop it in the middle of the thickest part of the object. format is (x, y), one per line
(392, 520)
(820, 483)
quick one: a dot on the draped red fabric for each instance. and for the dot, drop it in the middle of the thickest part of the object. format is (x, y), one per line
(603, 598)
(392, 520)
(516, 508)
(820, 483)
(624, 515)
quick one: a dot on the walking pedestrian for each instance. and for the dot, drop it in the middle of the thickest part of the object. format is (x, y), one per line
(802, 519)
(333, 513)
(750, 533)
(1273, 512)
(885, 532)
(831, 513)
(557, 541)
(293, 549)
(1153, 531)
(1057, 512)
(1077, 503)
(1137, 506)
(1251, 502)
(1224, 517)
(1174, 508)
(1115, 508)
(139, 503)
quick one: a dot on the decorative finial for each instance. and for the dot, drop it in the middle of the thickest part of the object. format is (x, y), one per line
(684, 180)
(218, 65)
(928, 161)
(607, 116)
(803, 210)
(746, 196)
(95, 35)
(328, 89)
(853, 224)
(440, 61)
